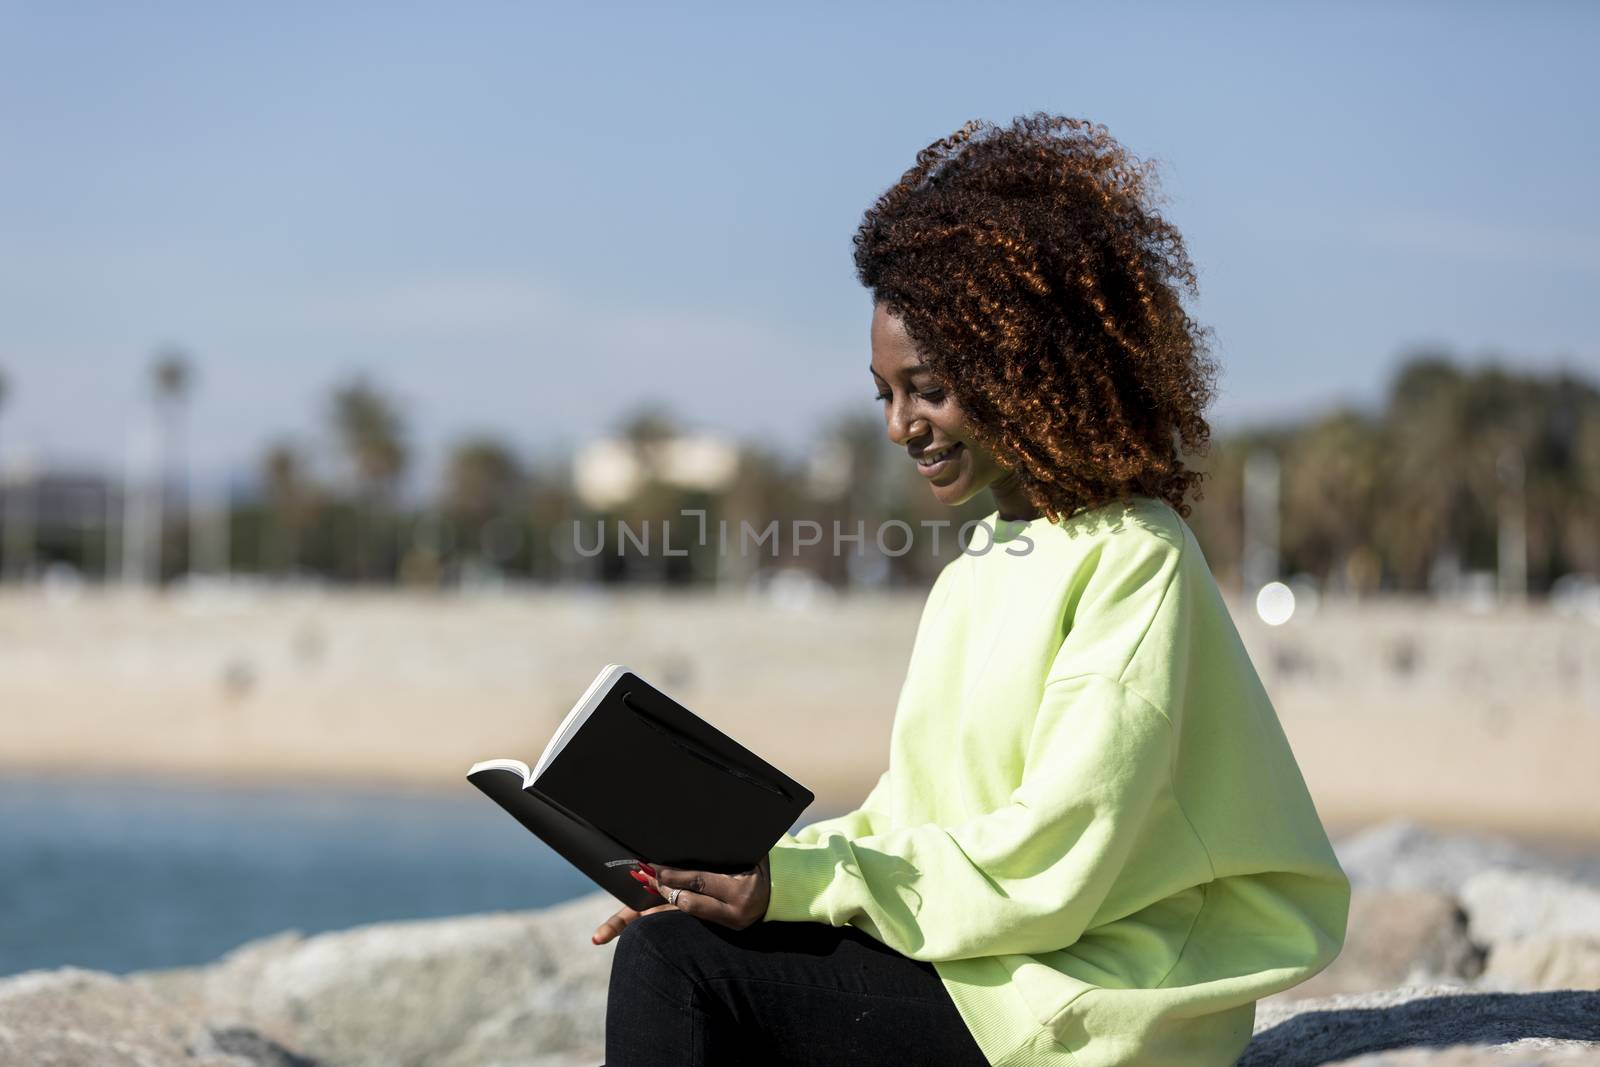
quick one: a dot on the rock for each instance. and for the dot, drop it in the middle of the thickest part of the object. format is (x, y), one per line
(1397, 937)
(73, 1018)
(1541, 931)
(242, 1043)
(1405, 855)
(1416, 1025)
(1509, 905)
(1544, 963)
(522, 989)
(525, 989)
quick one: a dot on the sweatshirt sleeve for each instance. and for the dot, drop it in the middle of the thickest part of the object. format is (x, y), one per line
(1027, 877)
(872, 817)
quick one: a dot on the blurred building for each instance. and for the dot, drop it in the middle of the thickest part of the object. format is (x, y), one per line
(609, 471)
(56, 516)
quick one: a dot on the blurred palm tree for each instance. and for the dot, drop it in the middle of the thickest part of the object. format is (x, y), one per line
(1452, 430)
(371, 432)
(1330, 492)
(1561, 498)
(482, 482)
(6, 562)
(1218, 519)
(291, 503)
(171, 381)
(649, 425)
(1580, 533)
(1431, 430)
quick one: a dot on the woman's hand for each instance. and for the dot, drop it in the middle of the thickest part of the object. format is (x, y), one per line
(735, 900)
(614, 925)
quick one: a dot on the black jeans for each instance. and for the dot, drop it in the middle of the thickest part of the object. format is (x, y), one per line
(687, 991)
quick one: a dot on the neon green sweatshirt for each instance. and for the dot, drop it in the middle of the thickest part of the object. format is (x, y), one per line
(1091, 824)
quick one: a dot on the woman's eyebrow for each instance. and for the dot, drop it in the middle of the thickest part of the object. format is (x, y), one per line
(915, 368)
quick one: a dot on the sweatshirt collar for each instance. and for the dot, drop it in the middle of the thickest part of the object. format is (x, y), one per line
(1008, 529)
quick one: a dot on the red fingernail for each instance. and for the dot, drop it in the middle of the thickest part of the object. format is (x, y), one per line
(651, 871)
(637, 877)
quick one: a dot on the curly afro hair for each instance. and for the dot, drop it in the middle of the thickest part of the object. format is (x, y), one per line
(1043, 290)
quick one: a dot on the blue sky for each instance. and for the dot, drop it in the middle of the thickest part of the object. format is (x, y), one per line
(526, 220)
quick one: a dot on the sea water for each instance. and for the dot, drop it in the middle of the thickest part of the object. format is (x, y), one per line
(123, 874)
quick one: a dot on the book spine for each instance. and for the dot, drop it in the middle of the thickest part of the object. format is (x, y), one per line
(622, 848)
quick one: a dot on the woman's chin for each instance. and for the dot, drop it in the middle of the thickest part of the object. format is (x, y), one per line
(953, 495)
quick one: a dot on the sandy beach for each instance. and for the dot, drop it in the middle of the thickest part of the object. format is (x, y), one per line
(1394, 709)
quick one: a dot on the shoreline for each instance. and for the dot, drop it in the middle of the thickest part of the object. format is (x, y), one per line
(1581, 840)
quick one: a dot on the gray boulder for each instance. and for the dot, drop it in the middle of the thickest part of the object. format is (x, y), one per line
(1404, 855)
(77, 1018)
(1544, 963)
(525, 989)
(1509, 905)
(1541, 931)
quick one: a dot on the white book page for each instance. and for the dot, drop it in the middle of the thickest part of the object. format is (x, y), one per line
(503, 765)
(577, 716)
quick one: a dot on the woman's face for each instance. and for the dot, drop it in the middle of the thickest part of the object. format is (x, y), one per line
(923, 419)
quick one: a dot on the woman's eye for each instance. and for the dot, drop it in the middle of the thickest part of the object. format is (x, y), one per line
(881, 396)
(932, 396)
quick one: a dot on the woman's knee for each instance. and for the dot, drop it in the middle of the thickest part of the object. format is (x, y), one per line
(667, 941)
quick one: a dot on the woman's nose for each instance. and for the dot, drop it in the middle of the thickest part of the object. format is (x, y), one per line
(904, 428)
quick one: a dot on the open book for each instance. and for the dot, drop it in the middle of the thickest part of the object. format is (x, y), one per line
(631, 774)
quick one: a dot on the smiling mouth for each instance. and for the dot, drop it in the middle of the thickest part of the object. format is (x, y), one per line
(929, 460)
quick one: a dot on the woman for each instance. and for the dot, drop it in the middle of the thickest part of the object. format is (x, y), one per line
(1092, 845)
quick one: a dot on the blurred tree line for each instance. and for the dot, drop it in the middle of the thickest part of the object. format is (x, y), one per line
(1369, 501)
(1375, 501)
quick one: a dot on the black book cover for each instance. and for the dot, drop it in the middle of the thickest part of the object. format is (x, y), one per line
(645, 778)
(594, 853)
